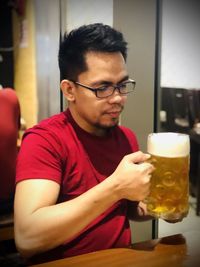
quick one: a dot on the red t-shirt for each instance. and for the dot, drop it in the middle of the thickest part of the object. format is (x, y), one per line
(58, 149)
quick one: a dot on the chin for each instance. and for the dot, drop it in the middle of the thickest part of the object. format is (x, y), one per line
(109, 125)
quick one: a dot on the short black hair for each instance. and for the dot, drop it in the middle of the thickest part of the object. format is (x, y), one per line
(95, 37)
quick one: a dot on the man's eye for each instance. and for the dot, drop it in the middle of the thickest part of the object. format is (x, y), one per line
(123, 85)
(103, 88)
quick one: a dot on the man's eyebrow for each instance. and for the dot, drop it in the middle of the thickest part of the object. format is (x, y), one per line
(97, 83)
(124, 79)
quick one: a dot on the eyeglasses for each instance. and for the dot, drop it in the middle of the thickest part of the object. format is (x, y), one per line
(123, 88)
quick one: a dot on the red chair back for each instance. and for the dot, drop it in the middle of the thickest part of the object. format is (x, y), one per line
(9, 128)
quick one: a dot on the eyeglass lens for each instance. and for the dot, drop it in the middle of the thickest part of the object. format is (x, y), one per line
(122, 89)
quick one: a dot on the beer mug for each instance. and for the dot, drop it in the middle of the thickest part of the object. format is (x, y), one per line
(169, 191)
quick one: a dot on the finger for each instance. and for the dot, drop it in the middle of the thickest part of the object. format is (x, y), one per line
(146, 167)
(147, 179)
(138, 157)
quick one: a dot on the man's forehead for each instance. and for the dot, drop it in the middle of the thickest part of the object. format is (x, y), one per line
(104, 66)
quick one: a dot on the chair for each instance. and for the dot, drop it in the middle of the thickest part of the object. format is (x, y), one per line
(182, 107)
(193, 101)
(195, 168)
(9, 128)
(174, 103)
(194, 115)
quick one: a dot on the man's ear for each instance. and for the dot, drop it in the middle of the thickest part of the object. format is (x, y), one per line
(67, 88)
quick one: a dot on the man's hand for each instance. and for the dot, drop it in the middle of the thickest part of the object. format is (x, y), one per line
(132, 177)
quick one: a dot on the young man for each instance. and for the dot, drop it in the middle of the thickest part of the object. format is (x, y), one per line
(79, 175)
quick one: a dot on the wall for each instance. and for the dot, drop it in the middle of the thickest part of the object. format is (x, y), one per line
(180, 50)
(137, 20)
(70, 20)
(47, 24)
(90, 14)
(37, 80)
(25, 63)
(6, 46)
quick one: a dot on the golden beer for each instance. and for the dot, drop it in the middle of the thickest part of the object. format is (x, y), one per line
(169, 192)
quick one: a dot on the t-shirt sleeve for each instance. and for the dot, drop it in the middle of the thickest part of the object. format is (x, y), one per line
(40, 157)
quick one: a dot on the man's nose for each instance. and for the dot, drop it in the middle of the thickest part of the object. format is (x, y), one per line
(116, 97)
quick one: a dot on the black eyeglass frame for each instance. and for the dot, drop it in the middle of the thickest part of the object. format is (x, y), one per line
(115, 87)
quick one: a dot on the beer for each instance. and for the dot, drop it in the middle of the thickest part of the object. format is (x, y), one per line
(169, 191)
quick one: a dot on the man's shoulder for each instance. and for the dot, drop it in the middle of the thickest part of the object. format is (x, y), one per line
(55, 120)
(126, 130)
(52, 124)
(52, 128)
(130, 136)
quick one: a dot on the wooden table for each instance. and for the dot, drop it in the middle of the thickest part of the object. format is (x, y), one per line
(171, 251)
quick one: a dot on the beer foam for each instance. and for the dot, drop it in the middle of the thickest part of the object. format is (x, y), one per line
(168, 144)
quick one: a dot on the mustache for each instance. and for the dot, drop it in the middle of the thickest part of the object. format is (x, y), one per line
(115, 108)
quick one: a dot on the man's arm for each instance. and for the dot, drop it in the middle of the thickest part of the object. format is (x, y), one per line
(41, 224)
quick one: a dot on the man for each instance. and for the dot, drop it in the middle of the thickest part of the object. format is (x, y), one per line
(79, 177)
